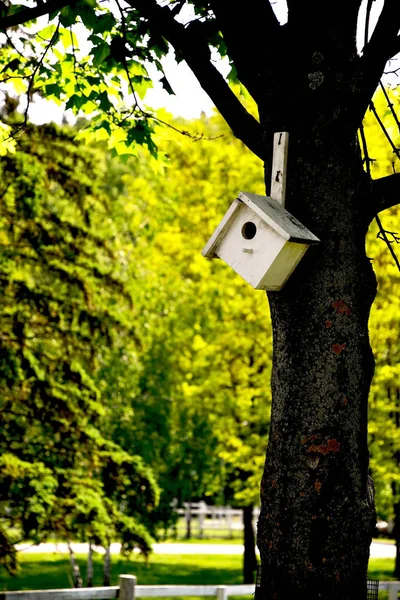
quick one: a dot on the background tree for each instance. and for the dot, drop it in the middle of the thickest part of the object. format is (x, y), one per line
(199, 405)
(384, 325)
(64, 307)
(317, 511)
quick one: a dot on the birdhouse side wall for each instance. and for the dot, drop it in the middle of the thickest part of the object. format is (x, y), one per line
(250, 258)
(283, 266)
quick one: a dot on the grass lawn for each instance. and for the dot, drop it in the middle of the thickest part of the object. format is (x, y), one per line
(47, 571)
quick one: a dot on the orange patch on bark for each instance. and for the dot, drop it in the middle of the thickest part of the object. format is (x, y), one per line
(330, 446)
(341, 307)
(338, 348)
(333, 446)
(318, 486)
(345, 401)
(302, 494)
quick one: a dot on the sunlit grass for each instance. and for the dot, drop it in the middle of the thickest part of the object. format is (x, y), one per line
(49, 571)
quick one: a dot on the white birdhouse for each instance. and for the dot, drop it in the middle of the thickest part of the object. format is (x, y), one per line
(260, 240)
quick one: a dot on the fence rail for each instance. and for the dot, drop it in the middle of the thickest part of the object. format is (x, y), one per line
(392, 586)
(212, 518)
(129, 590)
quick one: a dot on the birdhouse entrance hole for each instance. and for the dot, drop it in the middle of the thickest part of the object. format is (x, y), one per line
(249, 230)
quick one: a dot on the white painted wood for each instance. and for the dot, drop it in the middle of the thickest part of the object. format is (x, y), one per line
(393, 591)
(140, 591)
(266, 245)
(279, 167)
(240, 590)
(222, 593)
(162, 591)
(387, 585)
(278, 218)
(266, 256)
(100, 593)
(222, 229)
(127, 584)
(283, 266)
(392, 586)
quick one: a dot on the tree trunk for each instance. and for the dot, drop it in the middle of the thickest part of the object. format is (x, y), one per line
(76, 574)
(317, 514)
(107, 567)
(89, 569)
(188, 517)
(249, 556)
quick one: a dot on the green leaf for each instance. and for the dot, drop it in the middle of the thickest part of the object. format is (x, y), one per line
(76, 101)
(104, 23)
(166, 85)
(68, 16)
(100, 53)
(104, 101)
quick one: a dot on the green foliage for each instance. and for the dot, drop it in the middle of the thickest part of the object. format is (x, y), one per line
(95, 58)
(384, 409)
(198, 410)
(384, 415)
(64, 308)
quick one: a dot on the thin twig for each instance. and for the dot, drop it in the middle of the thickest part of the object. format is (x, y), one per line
(194, 137)
(382, 235)
(385, 131)
(390, 105)
(368, 161)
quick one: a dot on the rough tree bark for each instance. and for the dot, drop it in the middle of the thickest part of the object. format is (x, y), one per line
(316, 510)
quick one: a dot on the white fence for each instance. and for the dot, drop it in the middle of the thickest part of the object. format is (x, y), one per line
(129, 590)
(392, 586)
(201, 516)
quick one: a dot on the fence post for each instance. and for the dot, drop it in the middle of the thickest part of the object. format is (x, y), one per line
(393, 591)
(127, 587)
(222, 592)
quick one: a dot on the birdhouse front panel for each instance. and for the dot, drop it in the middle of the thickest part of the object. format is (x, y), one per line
(250, 246)
(260, 240)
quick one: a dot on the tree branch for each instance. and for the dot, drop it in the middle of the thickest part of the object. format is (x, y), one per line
(29, 14)
(386, 192)
(193, 47)
(249, 35)
(379, 50)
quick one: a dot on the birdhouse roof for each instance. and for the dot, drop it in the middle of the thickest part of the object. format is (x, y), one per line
(271, 212)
